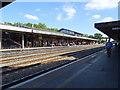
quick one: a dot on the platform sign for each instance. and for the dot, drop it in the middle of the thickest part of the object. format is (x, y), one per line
(117, 28)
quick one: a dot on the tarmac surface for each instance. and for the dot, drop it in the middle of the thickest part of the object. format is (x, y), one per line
(93, 71)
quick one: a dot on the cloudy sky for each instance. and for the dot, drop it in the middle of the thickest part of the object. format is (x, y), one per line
(77, 15)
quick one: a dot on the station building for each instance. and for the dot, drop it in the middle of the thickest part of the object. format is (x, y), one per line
(70, 32)
(24, 37)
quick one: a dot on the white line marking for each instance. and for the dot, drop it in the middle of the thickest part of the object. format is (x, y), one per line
(20, 84)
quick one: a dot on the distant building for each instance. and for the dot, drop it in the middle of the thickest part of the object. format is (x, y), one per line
(25, 37)
(70, 32)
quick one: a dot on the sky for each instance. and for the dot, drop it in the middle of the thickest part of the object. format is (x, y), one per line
(77, 15)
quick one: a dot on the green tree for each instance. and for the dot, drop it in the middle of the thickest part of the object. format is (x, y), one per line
(27, 24)
(16, 24)
(85, 35)
(8, 23)
(91, 36)
(98, 36)
(52, 29)
(39, 25)
(42, 26)
(103, 41)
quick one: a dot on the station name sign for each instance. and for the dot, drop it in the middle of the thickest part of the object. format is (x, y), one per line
(117, 28)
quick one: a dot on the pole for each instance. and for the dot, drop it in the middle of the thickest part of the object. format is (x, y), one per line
(32, 36)
(23, 41)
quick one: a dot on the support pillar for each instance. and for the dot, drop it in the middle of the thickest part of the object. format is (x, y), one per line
(23, 41)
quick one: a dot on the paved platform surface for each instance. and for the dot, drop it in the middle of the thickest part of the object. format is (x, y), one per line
(94, 71)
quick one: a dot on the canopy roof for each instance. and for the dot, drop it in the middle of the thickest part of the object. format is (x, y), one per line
(111, 29)
(5, 2)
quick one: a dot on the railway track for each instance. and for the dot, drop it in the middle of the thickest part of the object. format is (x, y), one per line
(46, 60)
(15, 59)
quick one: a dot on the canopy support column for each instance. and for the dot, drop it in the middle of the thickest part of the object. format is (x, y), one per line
(23, 41)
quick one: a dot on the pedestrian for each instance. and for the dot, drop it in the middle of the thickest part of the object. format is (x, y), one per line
(109, 46)
(116, 44)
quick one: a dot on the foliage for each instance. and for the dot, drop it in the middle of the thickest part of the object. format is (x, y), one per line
(85, 35)
(95, 36)
(53, 29)
(98, 36)
(39, 25)
(8, 23)
(103, 41)
(91, 36)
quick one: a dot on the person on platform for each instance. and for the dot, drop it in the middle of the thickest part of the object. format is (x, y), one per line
(109, 46)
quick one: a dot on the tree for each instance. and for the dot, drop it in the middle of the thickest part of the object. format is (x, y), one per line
(85, 35)
(98, 36)
(17, 24)
(28, 24)
(52, 29)
(91, 36)
(8, 23)
(103, 41)
(39, 25)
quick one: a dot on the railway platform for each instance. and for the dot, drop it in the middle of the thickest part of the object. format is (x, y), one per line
(93, 71)
(35, 48)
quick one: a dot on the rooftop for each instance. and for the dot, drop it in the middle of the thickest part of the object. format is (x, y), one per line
(40, 31)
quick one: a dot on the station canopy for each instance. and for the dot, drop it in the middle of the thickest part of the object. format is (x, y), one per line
(111, 29)
(5, 2)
